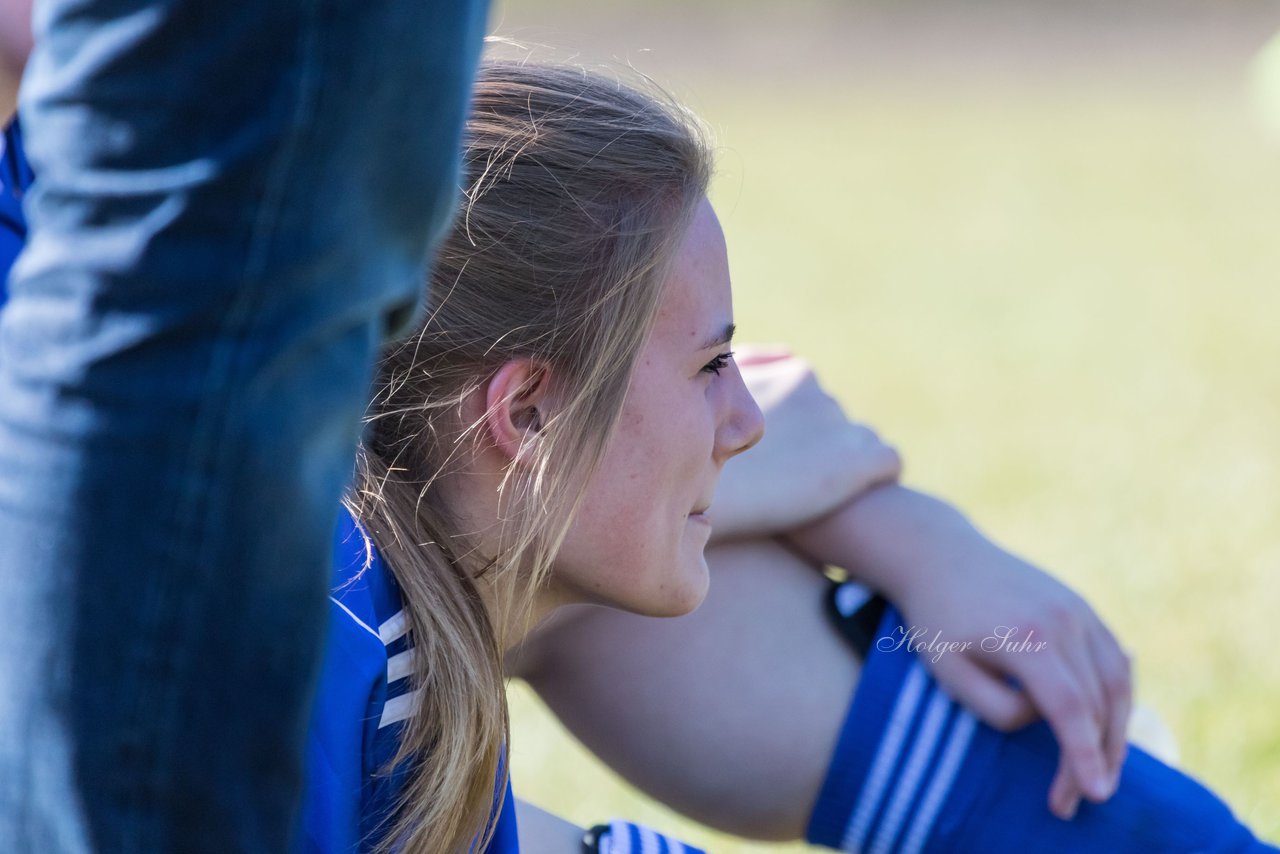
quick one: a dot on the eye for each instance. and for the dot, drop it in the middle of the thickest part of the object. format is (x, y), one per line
(718, 364)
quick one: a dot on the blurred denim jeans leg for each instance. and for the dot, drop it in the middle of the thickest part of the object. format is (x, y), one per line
(234, 204)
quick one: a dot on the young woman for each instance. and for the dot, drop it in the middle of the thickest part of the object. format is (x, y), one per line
(553, 434)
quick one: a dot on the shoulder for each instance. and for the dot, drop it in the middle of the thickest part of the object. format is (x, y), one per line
(361, 584)
(357, 691)
(367, 608)
(363, 705)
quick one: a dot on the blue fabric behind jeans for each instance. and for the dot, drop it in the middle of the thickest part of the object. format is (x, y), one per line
(234, 204)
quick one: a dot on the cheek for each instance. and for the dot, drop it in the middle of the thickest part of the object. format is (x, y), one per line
(691, 441)
(632, 544)
(615, 518)
(661, 429)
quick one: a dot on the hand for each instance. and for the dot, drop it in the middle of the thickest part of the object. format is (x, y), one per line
(811, 460)
(950, 580)
(1022, 623)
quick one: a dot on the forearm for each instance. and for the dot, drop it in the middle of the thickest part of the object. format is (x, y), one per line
(892, 539)
(766, 494)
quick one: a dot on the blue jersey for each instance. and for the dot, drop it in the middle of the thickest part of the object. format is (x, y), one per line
(15, 178)
(364, 696)
(362, 706)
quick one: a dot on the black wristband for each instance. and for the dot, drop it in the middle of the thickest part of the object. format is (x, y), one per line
(591, 839)
(858, 628)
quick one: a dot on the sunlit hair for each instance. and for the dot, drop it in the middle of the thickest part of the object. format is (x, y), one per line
(577, 191)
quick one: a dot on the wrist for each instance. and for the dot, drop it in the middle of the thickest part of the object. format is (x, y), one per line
(893, 539)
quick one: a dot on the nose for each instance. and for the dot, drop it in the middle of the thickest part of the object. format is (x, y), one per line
(742, 424)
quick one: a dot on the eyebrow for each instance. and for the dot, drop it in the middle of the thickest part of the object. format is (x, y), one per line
(723, 338)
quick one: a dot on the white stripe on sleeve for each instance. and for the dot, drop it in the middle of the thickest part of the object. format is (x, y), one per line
(399, 666)
(394, 628)
(398, 708)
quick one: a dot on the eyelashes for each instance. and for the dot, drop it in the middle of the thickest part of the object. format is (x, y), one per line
(718, 364)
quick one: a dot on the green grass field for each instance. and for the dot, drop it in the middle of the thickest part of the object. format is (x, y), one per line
(1061, 301)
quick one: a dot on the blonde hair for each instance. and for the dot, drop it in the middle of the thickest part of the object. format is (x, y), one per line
(577, 191)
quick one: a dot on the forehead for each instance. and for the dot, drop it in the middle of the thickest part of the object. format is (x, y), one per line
(697, 302)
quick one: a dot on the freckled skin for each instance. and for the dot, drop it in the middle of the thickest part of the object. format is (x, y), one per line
(634, 544)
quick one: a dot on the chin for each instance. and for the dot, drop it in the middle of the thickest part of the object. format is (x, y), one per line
(670, 587)
(684, 593)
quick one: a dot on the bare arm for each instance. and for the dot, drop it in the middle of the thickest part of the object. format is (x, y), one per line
(541, 832)
(760, 664)
(949, 579)
(670, 704)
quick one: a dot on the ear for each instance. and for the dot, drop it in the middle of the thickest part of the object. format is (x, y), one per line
(515, 402)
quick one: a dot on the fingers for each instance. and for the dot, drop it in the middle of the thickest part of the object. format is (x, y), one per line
(1062, 699)
(1005, 708)
(1067, 788)
(1104, 678)
(985, 694)
(1102, 671)
(1079, 659)
(1116, 673)
(1064, 794)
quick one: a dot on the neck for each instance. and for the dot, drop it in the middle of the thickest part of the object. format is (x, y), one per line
(474, 493)
(513, 623)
